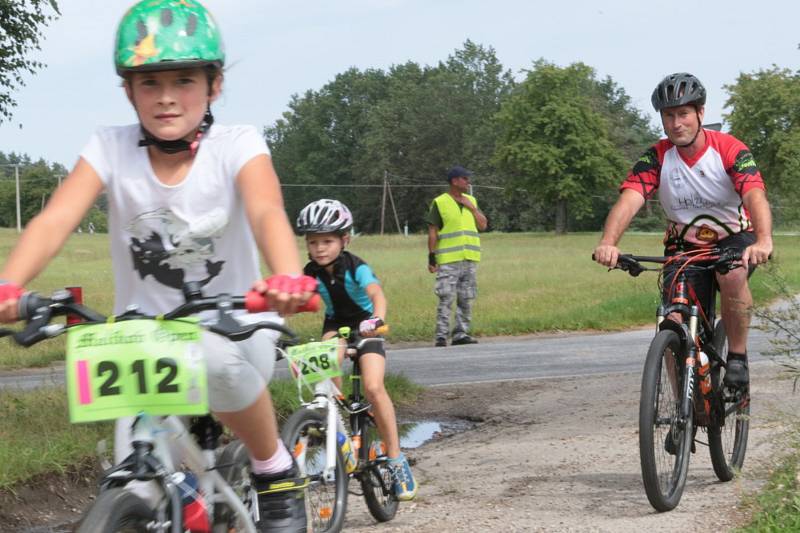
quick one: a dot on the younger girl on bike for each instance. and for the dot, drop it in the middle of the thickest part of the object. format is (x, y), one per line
(188, 201)
(353, 297)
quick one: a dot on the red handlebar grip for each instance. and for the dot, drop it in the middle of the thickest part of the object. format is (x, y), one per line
(255, 302)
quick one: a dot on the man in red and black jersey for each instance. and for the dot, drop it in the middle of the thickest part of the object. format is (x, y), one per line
(712, 194)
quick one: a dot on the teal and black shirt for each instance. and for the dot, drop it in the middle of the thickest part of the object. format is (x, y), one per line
(344, 292)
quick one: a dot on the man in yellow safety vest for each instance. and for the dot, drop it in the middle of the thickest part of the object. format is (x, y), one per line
(454, 250)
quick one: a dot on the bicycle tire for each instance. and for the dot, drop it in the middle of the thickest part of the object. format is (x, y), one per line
(730, 422)
(117, 511)
(376, 478)
(234, 467)
(304, 434)
(663, 473)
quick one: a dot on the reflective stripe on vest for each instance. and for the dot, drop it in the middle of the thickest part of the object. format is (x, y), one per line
(458, 239)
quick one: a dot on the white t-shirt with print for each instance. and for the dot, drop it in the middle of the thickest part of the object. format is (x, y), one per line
(164, 235)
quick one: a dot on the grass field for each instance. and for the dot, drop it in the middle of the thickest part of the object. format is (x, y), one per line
(527, 283)
(36, 435)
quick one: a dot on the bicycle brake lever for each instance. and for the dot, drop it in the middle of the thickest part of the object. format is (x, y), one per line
(635, 270)
(238, 334)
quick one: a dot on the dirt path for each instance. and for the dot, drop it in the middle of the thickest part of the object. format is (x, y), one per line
(556, 455)
(562, 456)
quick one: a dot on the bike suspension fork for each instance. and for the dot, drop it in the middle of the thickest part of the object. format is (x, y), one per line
(690, 366)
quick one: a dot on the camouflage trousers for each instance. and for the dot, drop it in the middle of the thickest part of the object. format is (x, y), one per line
(455, 282)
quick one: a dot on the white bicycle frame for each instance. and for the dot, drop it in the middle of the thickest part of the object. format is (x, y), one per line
(324, 393)
(170, 438)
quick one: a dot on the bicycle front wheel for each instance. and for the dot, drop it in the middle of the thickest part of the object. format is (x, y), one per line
(376, 477)
(233, 465)
(730, 418)
(305, 435)
(664, 442)
(117, 511)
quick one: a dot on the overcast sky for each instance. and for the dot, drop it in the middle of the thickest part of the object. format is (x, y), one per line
(276, 49)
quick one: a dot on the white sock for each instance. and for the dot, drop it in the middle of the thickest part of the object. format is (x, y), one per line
(281, 461)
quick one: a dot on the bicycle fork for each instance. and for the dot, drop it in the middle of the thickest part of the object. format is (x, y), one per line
(323, 399)
(689, 369)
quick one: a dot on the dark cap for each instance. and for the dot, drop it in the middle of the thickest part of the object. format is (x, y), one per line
(457, 172)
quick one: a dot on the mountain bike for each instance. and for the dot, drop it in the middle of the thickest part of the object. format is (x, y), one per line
(327, 452)
(150, 367)
(682, 382)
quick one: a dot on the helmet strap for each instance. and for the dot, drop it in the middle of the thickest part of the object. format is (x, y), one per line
(179, 145)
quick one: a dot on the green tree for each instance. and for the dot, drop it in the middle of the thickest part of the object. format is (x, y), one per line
(21, 22)
(411, 122)
(435, 117)
(38, 180)
(320, 138)
(765, 115)
(556, 143)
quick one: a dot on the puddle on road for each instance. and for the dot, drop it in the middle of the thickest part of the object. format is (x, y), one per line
(415, 434)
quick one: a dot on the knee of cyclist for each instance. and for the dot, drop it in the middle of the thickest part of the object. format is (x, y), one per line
(375, 392)
(224, 373)
(733, 279)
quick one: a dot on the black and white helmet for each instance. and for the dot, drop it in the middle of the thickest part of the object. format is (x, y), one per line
(678, 89)
(324, 216)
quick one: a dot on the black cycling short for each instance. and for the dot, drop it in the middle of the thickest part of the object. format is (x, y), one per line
(364, 344)
(701, 281)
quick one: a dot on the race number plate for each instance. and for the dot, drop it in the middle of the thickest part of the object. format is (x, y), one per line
(315, 361)
(122, 368)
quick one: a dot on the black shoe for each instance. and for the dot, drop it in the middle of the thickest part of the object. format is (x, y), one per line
(466, 339)
(440, 342)
(281, 502)
(669, 443)
(736, 373)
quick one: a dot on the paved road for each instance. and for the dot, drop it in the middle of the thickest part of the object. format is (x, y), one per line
(535, 358)
(493, 359)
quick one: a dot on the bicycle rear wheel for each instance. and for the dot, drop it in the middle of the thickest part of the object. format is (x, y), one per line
(376, 477)
(730, 418)
(117, 511)
(664, 445)
(304, 434)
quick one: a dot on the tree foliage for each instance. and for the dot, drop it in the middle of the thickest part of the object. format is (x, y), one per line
(556, 139)
(21, 23)
(409, 123)
(765, 115)
(38, 180)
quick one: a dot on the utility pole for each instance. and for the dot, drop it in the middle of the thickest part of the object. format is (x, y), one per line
(16, 181)
(19, 214)
(383, 200)
(394, 209)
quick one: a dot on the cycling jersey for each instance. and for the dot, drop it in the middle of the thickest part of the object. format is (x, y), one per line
(345, 291)
(701, 196)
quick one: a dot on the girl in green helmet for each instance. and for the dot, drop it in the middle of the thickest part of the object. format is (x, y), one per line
(188, 201)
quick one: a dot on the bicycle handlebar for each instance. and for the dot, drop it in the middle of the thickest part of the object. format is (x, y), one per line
(38, 311)
(722, 261)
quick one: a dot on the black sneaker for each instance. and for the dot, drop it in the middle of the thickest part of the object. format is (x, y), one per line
(281, 502)
(440, 342)
(736, 373)
(466, 339)
(669, 443)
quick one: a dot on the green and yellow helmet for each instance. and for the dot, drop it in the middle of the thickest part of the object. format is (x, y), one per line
(167, 35)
